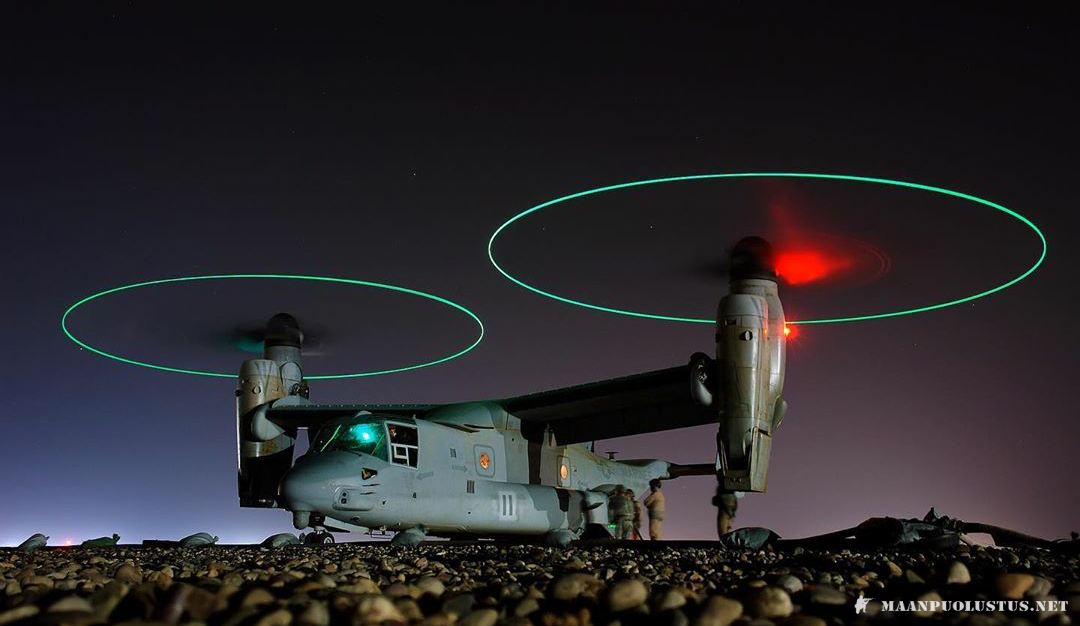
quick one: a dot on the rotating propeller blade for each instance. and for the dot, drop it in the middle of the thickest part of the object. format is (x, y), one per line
(801, 256)
(251, 337)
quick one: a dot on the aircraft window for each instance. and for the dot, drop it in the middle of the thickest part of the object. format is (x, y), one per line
(564, 471)
(402, 434)
(365, 438)
(404, 444)
(484, 460)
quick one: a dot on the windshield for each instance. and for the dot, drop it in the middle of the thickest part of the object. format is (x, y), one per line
(366, 438)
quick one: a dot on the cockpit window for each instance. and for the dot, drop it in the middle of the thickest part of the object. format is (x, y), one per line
(404, 444)
(366, 438)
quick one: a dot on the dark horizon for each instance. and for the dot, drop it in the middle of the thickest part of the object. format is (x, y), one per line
(146, 142)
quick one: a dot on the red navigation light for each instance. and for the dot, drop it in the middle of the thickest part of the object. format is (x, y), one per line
(806, 266)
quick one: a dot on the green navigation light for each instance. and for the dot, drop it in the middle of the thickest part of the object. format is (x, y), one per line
(346, 281)
(833, 320)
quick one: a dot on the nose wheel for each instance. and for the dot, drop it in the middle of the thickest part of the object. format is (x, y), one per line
(319, 537)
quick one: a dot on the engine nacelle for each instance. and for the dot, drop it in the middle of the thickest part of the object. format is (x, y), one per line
(264, 449)
(751, 350)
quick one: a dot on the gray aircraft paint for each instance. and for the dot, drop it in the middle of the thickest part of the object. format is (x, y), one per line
(532, 483)
(436, 493)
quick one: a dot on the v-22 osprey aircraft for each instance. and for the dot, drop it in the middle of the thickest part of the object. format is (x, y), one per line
(521, 466)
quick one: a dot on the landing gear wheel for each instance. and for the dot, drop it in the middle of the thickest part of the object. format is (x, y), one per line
(319, 537)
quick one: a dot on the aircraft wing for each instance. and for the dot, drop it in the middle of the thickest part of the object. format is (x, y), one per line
(296, 412)
(632, 405)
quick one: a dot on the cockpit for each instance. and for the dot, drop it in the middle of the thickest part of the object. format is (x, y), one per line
(392, 440)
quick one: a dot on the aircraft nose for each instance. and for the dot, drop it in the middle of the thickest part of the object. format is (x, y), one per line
(308, 486)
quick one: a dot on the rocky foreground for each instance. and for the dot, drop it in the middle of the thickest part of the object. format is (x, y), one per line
(485, 584)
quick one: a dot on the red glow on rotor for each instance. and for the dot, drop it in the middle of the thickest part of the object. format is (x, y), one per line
(807, 255)
(801, 266)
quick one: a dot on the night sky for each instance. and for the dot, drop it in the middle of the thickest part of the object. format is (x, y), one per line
(152, 140)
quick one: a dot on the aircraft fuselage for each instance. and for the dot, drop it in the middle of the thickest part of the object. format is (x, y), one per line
(464, 469)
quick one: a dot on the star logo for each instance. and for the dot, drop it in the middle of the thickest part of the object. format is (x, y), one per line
(861, 604)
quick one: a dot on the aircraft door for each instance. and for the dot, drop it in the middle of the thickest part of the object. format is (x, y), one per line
(565, 472)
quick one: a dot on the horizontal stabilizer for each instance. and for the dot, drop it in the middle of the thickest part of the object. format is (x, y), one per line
(693, 469)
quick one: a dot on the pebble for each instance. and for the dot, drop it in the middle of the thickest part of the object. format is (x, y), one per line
(480, 617)
(360, 586)
(459, 604)
(18, 613)
(397, 590)
(769, 602)
(625, 595)
(719, 611)
(1040, 587)
(1013, 586)
(280, 617)
(958, 574)
(71, 604)
(128, 573)
(430, 585)
(670, 599)
(930, 596)
(38, 581)
(823, 594)
(527, 606)
(201, 604)
(789, 583)
(671, 617)
(410, 610)
(257, 597)
(571, 586)
(373, 608)
(106, 598)
(515, 585)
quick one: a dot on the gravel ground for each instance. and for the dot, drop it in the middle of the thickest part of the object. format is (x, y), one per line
(483, 584)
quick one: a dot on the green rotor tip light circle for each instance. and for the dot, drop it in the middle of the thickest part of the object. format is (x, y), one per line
(362, 283)
(833, 320)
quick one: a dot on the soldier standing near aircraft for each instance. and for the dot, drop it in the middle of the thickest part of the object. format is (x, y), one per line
(635, 506)
(727, 504)
(655, 503)
(621, 513)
